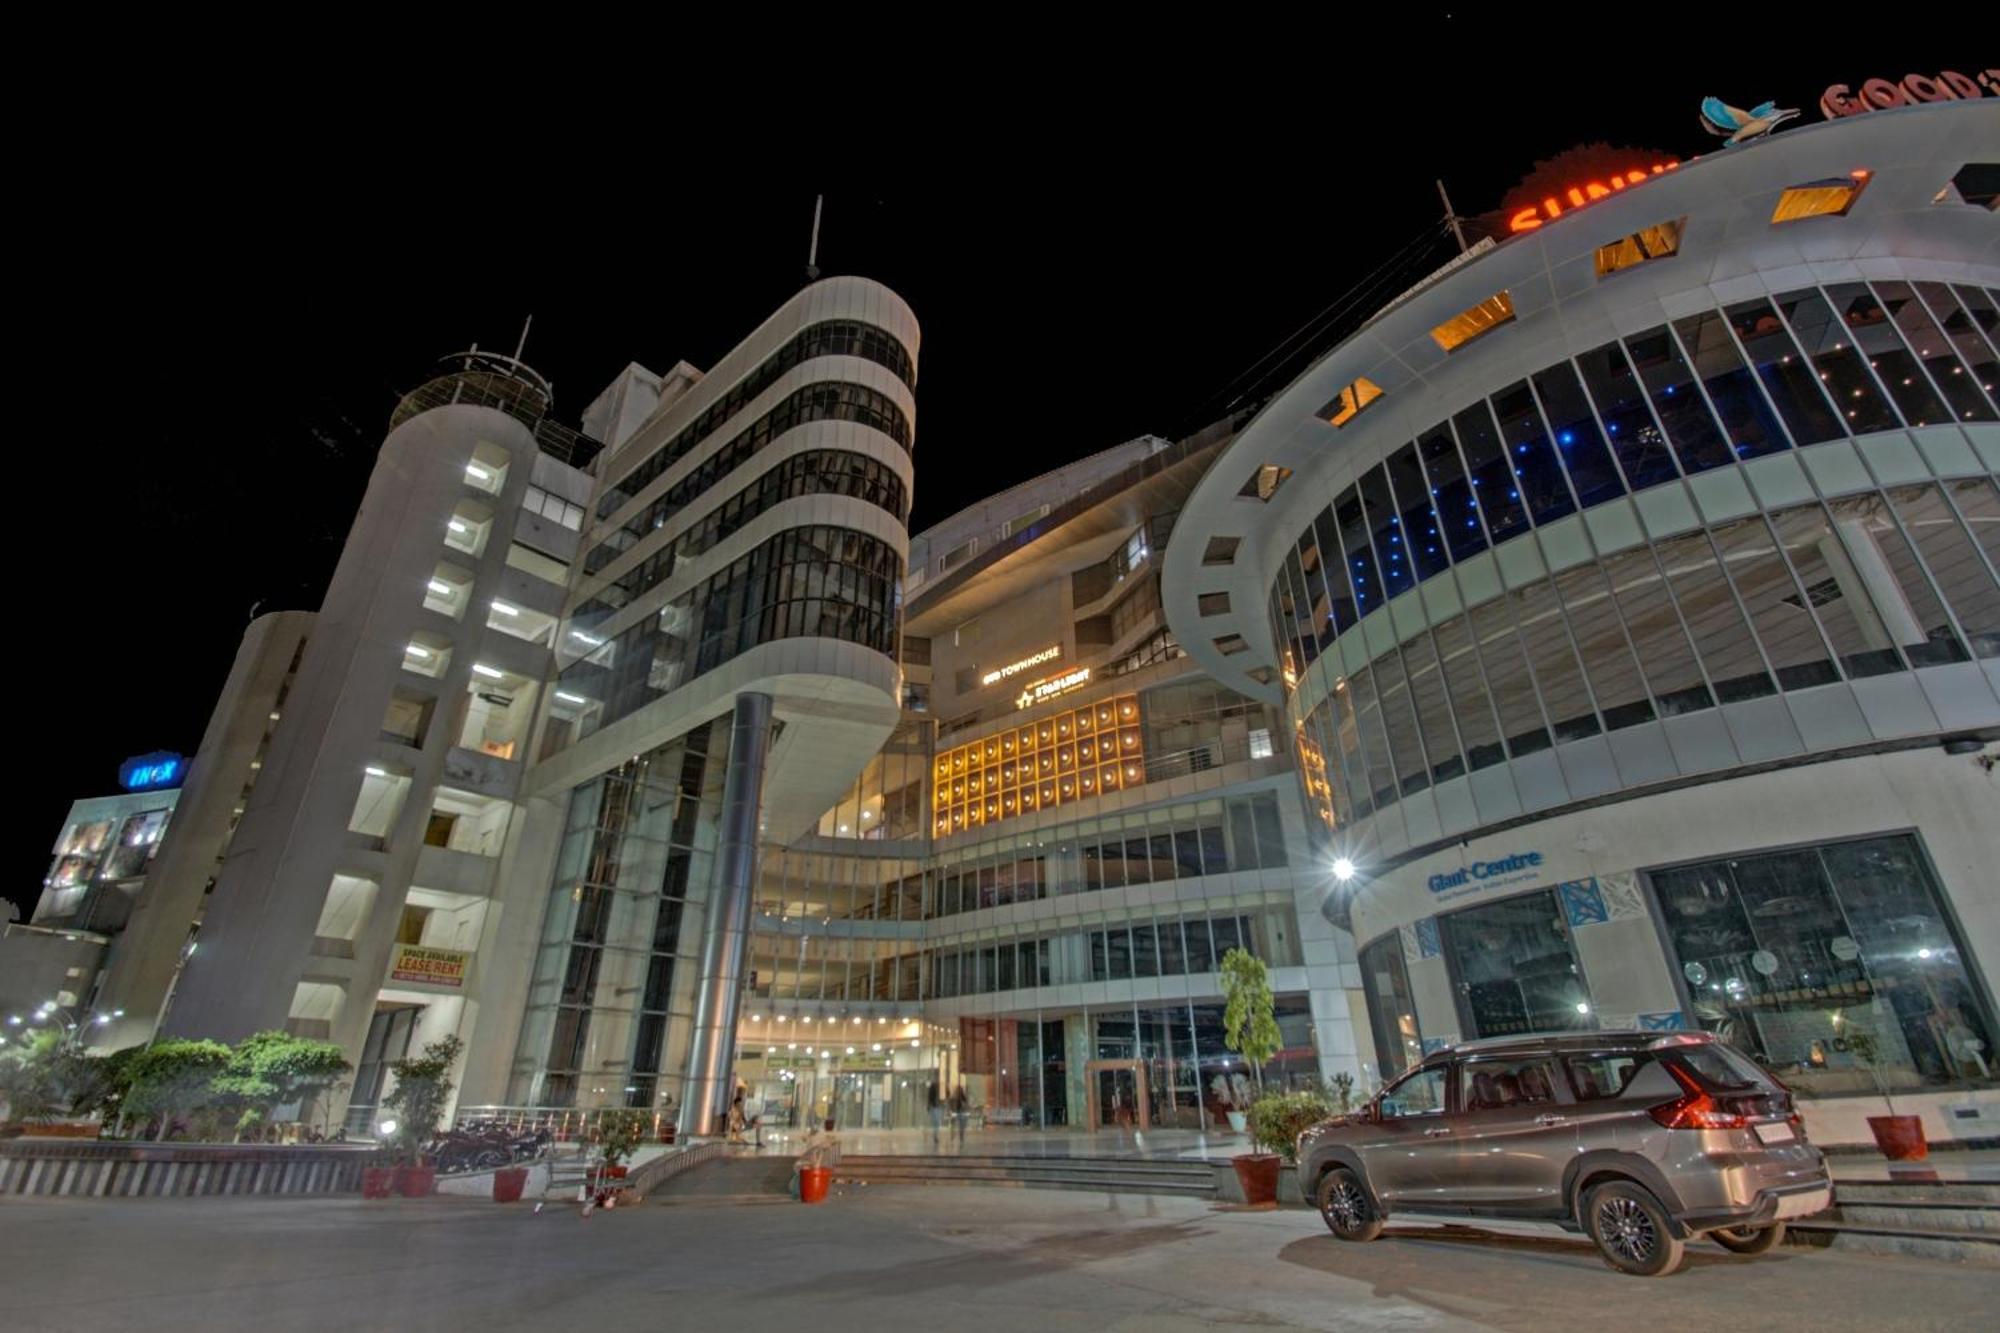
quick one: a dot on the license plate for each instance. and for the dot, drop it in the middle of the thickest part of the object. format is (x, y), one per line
(1779, 1131)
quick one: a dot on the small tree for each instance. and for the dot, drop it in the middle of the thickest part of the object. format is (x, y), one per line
(423, 1086)
(173, 1078)
(1250, 1022)
(273, 1069)
(619, 1132)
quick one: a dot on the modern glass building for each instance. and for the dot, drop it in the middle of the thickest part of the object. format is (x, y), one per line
(1629, 591)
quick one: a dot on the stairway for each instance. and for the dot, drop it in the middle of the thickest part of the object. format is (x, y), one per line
(1903, 1214)
(1117, 1175)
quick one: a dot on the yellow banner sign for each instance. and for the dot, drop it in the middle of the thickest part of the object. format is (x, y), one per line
(423, 966)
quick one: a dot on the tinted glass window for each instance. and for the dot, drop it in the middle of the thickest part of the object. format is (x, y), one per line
(1837, 361)
(1387, 528)
(1678, 401)
(1495, 1085)
(1419, 521)
(1578, 444)
(1359, 557)
(1791, 383)
(1422, 1093)
(1598, 1077)
(1868, 320)
(1751, 426)
(1621, 401)
(1493, 487)
(1541, 486)
(1456, 515)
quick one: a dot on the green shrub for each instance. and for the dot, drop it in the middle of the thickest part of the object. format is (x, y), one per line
(423, 1088)
(1278, 1118)
(619, 1132)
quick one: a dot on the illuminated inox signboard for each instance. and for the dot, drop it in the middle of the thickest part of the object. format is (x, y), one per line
(1048, 654)
(1881, 94)
(151, 772)
(1049, 688)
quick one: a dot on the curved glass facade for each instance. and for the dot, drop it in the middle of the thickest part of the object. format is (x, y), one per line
(815, 402)
(819, 472)
(1856, 586)
(818, 582)
(838, 337)
(1713, 388)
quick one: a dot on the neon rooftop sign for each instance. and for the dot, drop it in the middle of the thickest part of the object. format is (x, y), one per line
(1556, 203)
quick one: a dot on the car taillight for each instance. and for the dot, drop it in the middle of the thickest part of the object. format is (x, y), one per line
(1694, 1109)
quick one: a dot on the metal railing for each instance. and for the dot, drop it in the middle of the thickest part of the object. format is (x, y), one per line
(560, 442)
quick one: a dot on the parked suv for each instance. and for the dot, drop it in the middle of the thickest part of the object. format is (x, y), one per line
(1638, 1139)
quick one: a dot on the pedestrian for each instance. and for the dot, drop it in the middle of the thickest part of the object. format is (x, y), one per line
(737, 1120)
(958, 1111)
(935, 1101)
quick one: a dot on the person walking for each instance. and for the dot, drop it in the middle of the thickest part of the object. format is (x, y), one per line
(935, 1101)
(737, 1120)
(958, 1108)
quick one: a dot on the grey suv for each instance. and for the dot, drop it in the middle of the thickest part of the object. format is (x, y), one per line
(1642, 1140)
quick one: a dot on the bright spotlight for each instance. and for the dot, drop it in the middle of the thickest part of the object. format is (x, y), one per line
(1343, 869)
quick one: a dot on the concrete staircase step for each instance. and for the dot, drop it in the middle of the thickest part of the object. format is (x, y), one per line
(1981, 1250)
(1922, 1215)
(1891, 1189)
(1111, 1185)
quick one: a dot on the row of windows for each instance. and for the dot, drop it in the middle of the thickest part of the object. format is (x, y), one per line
(1244, 833)
(553, 508)
(816, 402)
(1170, 948)
(821, 472)
(822, 582)
(836, 337)
(1756, 378)
(1859, 586)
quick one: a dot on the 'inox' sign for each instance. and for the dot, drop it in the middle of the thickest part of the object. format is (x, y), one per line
(1484, 870)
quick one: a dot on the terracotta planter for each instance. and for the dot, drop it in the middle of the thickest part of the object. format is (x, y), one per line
(1900, 1137)
(378, 1182)
(508, 1182)
(1257, 1172)
(813, 1181)
(614, 1172)
(416, 1182)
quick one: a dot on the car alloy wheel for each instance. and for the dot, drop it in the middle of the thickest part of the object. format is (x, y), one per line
(1345, 1208)
(1625, 1228)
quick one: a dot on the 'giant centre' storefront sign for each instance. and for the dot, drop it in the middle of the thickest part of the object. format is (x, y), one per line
(1042, 690)
(1507, 869)
(1048, 654)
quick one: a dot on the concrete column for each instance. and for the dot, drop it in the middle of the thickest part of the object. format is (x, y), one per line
(726, 934)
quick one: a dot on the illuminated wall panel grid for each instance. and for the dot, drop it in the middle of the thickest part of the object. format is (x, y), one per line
(1067, 756)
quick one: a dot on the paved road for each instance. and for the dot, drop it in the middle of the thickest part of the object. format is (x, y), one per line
(963, 1260)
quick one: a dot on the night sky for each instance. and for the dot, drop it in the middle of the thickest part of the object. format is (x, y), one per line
(229, 297)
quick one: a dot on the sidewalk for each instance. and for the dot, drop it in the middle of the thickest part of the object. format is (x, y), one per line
(1008, 1141)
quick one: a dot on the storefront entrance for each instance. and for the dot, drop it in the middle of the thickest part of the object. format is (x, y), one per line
(1113, 1087)
(1515, 968)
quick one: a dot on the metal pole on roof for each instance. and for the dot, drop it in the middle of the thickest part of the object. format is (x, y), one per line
(527, 323)
(1452, 218)
(812, 251)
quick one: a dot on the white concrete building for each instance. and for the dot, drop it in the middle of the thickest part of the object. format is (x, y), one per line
(1630, 593)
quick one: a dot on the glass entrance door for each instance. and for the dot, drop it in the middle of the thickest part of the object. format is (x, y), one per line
(1516, 968)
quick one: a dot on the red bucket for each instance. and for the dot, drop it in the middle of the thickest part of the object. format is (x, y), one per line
(378, 1182)
(813, 1181)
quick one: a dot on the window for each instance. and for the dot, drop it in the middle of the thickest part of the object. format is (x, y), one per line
(1658, 241)
(1231, 644)
(1220, 551)
(1978, 184)
(1516, 968)
(1821, 198)
(1392, 1013)
(1418, 1094)
(1212, 604)
(1834, 966)
(1350, 402)
(1496, 1085)
(1596, 1078)
(1260, 743)
(553, 507)
(1264, 482)
(1474, 322)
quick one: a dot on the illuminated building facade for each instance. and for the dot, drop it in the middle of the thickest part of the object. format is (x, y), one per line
(1642, 647)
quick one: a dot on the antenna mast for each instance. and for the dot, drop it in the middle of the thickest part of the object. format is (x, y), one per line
(812, 251)
(1452, 218)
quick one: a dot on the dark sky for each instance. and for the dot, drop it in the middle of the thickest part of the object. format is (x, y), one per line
(229, 288)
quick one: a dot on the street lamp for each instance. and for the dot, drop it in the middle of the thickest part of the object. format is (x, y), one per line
(1343, 869)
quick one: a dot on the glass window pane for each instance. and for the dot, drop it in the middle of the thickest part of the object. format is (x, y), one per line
(1875, 544)
(1173, 956)
(1392, 1012)
(1353, 523)
(1515, 967)
(1837, 361)
(1899, 372)
(1381, 773)
(1791, 383)
(1340, 614)
(1386, 528)
(1465, 685)
(1539, 477)
(1747, 420)
(1493, 487)
(1621, 401)
(1956, 565)
(1599, 633)
(1578, 442)
(1200, 953)
(1145, 951)
(1672, 670)
(1429, 695)
(1565, 697)
(1507, 678)
(1973, 347)
(1456, 515)
(1716, 624)
(1773, 600)
(1419, 521)
(1678, 401)
(1932, 348)
(1834, 593)
(1399, 718)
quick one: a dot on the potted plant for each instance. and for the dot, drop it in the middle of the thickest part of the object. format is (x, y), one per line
(1276, 1121)
(1250, 1028)
(423, 1088)
(619, 1132)
(1900, 1137)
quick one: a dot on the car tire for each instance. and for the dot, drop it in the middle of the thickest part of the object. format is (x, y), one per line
(1632, 1231)
(1345, 1207)
(1749, 1240)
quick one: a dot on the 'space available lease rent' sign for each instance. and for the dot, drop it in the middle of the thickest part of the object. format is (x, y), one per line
(420, 965)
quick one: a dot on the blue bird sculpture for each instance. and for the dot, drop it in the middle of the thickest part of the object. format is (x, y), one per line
(1740, 126)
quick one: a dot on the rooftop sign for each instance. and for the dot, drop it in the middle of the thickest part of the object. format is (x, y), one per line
(151, 772)
(1553, 204)
(1881, 94)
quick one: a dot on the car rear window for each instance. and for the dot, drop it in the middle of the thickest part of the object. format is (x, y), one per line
(1722, 1068)
(1599, 1077)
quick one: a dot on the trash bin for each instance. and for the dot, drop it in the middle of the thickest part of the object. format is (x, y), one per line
(508, 1182)
(813, 1181)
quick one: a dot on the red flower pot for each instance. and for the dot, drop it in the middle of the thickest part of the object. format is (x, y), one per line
(378, 1182)
(1900, 1137)
(416, 1182)
(813, 1181)
(508, 1182)
(1257, 1172)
